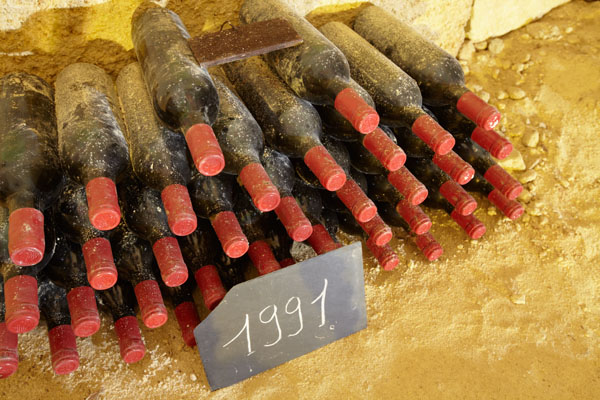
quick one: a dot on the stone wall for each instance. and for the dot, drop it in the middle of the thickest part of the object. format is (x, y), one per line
(444, 21)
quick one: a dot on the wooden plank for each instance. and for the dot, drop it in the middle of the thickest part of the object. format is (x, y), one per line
(244, 41)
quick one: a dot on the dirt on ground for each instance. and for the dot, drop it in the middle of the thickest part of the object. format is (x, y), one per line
(513, 315)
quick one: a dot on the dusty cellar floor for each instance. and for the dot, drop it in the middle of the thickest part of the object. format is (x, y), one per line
(515, 314)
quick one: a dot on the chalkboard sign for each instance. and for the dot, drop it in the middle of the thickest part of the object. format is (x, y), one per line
(271, 319)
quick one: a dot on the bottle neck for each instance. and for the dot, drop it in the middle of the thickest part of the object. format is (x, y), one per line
(453, 93)
(22, 199)
(330, 86)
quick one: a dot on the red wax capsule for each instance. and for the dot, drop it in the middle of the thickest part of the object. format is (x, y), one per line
(429, 246)
(100, 264)
(85, 319)
(321, 241)
(63, 348)
(152, 306)
(188, 319)
(263, 258)
(168, 255)
(130, 339)
(26, 236)
(178, 207)
(210, 285)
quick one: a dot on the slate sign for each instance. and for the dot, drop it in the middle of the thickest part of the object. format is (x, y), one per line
(271, 319)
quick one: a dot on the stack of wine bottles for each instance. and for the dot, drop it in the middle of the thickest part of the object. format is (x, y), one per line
(112, 193)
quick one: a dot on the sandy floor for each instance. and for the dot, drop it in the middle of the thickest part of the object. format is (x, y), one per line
(513, 315)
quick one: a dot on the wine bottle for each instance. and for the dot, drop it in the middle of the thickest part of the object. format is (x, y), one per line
(9, 342)
(280, 241)
(402, 179)
(486, 166)
(458, 169)
(158, 155)
(185, 311)
(396, 94)
(241, 140)
(290, 125)
(383, 147)
(469, 223)
(73, 221)
(30, 175)
(438, 181)
(91, 143)
(67, 269)
(462, 128)
(63, 346)
(183, 93)
(200, 255)
(134, 260)
(281, 171)
(254, 226)
(310, 201)
(511, 208)
(20, 283)
(145, 216)
(316, 70)
(425, 242)
(119, 301)
(438, 74)
(385, 255)
(350, 194)
(212, 199)
(333, 119)
(381, 190)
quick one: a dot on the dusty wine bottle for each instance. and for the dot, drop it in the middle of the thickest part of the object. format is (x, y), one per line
(350, 194)
(134, 260)
(281, 171)
(254, 226)
(20, 282)
(9, 342)
(30, 175)
(290, 125)
(437, 180)
(212, 199)
(380, 145)
(511, 208)
(396, 94)
(438, 74)
(486, 166)
(119, 301)
(381, 190)
(310, 201)
(91, 143)
(316, 70)
(63, 345)
(242, 143)
(426, 243)
(385, 256)
(402, 179)
(185, 311)
(67, 269)
(469, 223)
(73, 221)
(332, 118)
(183, 93)
(280, 241)
(158, 155)
(200, 253)
(458, 169)
(462, 128)
(145, 216)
